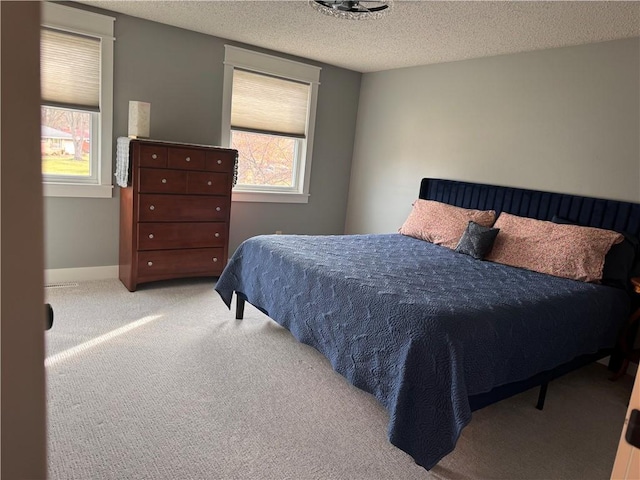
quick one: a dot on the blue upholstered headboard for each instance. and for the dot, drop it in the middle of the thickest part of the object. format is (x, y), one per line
(593, 212)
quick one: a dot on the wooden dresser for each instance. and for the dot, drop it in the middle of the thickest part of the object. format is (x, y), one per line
(174, 215)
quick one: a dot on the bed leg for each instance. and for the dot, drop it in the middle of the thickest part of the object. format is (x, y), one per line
(542, 395)
(239, 307)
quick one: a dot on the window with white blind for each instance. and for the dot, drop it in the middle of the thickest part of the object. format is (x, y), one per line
(76, 78)
(269, 106)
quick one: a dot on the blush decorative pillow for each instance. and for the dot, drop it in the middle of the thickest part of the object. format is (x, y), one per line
(477, 240)
(568, 251)
(441, 223)
(619, 261)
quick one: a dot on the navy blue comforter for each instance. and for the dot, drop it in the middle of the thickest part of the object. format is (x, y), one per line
(420, 326)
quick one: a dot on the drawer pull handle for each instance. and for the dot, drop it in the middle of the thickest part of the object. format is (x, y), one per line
(150, 264)
(154, 156)
(218, 209)
(209, 183)
(217, 235)
(164, 180)
(188, 159)
(215, 259)
(219, 162)
(151, 235)
(152, 207)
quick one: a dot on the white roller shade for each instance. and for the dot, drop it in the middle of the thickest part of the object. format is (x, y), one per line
(261, 103)
(70, 70)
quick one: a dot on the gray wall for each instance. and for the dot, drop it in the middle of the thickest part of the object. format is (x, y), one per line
(181, 74)
(564, 120)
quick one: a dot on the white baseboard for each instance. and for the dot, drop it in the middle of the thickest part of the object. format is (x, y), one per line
(57, 275)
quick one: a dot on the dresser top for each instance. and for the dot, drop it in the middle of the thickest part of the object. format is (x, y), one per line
(148, 141)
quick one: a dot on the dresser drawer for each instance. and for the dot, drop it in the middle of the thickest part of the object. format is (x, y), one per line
(162, 262)
(207, 183)
(153, 180)
(153, 156)
(157, 236)
(186, 158)
(220, 161)
(182, 208)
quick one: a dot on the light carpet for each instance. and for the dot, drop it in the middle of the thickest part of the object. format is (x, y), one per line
(164, 383)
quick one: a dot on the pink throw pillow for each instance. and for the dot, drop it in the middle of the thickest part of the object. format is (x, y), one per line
(568, 251)
(441, 223)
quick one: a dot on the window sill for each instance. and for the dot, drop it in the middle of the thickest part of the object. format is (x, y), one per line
(76, 190)
(269, 197)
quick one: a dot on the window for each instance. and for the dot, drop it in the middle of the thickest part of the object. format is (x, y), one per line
(268, 115)
(76, 76)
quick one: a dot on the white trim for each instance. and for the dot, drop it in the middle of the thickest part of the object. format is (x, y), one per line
(100, 26)
(263, 63)
(77, 21)
(265, 197)
(94, 162)
(106, 114)
(76, 190)
(227, 89)
(305, 173)
(288, 69)
(57, 275)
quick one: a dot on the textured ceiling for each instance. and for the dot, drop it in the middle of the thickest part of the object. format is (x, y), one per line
(415, 33)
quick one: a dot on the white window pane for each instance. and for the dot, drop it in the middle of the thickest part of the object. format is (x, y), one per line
(65, 142)
(265, 160)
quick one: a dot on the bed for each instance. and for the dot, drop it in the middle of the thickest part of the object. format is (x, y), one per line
(431, 333)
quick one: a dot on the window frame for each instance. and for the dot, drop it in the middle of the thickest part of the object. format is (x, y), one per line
(94, 153)
(236, 57)
(298, 150)
(73, 20)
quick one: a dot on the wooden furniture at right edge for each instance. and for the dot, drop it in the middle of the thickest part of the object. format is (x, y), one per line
(627, 463)
(174, 215)
(627, 338)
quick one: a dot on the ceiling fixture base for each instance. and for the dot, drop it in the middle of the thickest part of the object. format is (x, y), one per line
(353, 10)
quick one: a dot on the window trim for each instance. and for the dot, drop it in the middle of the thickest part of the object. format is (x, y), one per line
(268, 189)
(236, 57)
(91, 24)
(94, 164)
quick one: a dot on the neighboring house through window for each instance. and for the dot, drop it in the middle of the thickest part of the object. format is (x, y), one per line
(268, 115)
(76, 68)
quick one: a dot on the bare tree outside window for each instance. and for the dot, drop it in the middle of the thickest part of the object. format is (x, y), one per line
(265, 160)
(66, 141)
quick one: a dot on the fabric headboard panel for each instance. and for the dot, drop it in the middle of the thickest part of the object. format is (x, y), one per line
(593, 212)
